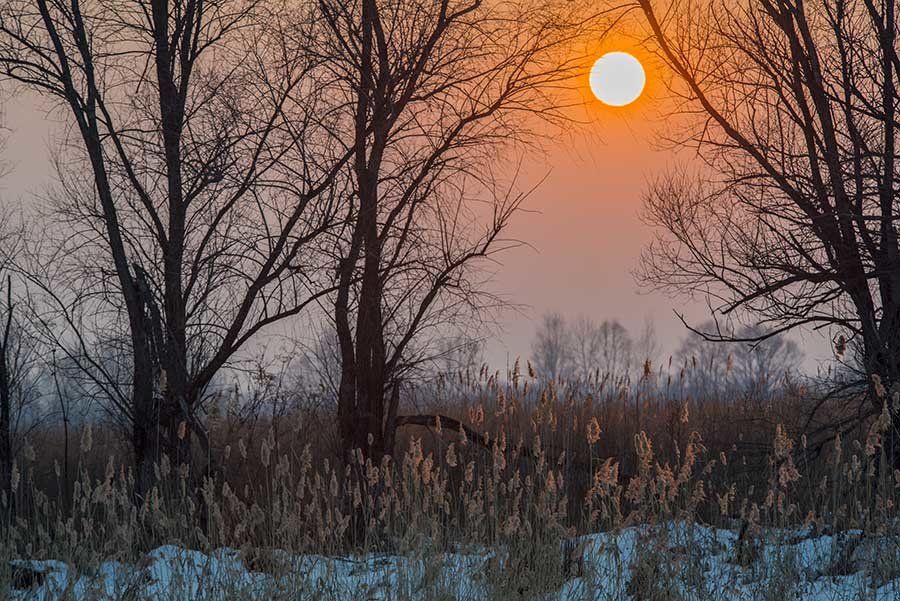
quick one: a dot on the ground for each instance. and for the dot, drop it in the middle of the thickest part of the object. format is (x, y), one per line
(672, 562)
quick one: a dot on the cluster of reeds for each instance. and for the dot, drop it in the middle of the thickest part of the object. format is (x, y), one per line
(545, 476)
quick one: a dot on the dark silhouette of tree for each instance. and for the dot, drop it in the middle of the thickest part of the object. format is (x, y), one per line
(6, 394)
(439, 90)
(21, 358)
(7, 248)
(792, 105)
(211, 167)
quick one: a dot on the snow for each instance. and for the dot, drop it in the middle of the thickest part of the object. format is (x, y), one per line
(689, 561)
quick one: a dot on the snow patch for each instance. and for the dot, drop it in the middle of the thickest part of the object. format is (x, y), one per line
(692, 562)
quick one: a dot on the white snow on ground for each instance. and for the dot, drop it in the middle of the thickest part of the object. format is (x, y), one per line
(692, 562)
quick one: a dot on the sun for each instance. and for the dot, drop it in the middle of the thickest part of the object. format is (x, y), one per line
(617, 78)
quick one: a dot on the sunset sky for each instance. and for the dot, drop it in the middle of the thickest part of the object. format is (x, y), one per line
(582, 225)
(587, 235)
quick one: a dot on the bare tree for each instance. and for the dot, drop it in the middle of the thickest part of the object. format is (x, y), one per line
(20, 358)
(767, 368)
(581, 349)
(616, 349)
(586, 343)
(723, 371)
(438, 89)
(793, 106)
(459, 355)
(202, 126)
(551, 350)
(6, 455)
(646, 348)
(604, 348)
(6, 386)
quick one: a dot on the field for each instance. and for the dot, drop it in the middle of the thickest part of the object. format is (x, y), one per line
(256, 257)
(587, 490)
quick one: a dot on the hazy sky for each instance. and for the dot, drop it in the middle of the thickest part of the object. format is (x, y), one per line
(586, 233)
(582, 223)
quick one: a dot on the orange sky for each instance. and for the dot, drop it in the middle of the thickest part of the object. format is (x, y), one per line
(584, 229)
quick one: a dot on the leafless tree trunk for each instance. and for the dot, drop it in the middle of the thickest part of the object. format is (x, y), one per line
(19, 358)
(438, 88)
(9, 246)
(212, 165)
(6, 450)
(794, 218)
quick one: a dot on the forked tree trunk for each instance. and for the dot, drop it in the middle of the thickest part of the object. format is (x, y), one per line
(146, 435)
(161, 427)
(362, 410)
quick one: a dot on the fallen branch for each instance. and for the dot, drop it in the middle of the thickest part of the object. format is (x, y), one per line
(434, 421)
(482, 439)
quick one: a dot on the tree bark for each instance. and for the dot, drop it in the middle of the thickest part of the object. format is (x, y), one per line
(6, 457)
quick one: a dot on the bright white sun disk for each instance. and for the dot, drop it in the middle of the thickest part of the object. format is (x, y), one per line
(617, 78)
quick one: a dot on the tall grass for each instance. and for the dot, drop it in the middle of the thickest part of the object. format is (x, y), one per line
(563, 460)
